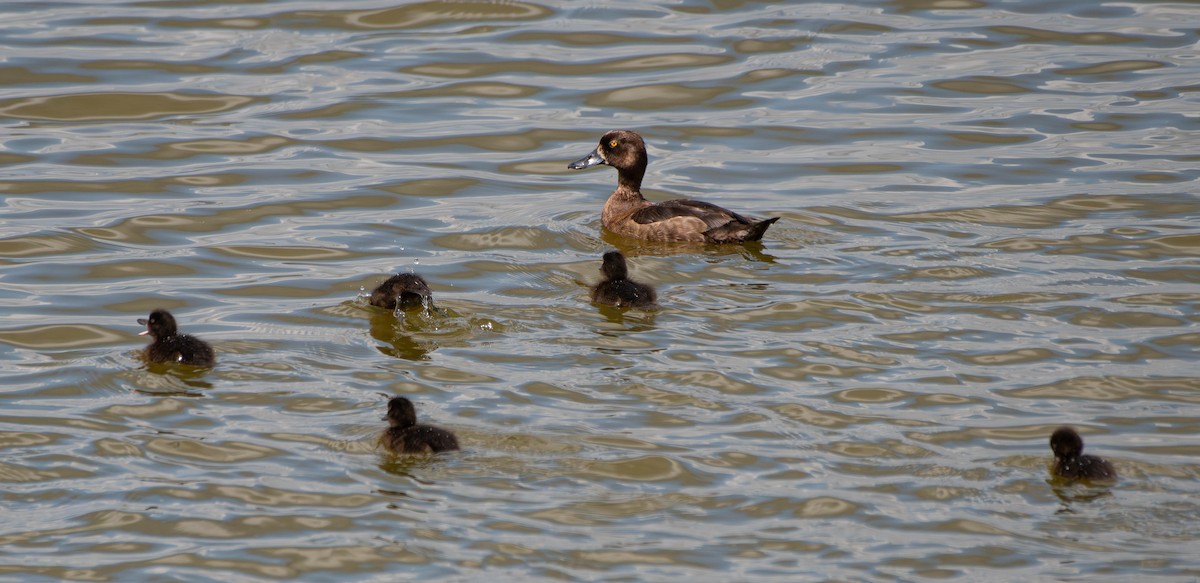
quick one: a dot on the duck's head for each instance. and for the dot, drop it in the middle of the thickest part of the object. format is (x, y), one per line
(1066, 443)
(408, 290)
(621, 149)
(614, 266)
(160, 324)
(411, 290)
(401, 412)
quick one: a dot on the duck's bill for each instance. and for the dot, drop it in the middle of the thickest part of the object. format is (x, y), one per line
(593, 159)
(142, 321)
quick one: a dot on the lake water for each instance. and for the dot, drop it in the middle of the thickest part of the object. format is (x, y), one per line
(989, 228)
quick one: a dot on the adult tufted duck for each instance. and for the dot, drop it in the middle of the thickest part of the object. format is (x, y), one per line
(617, 289)
(1069, 461)
(171, 346)
(628, 213)
(405, 435)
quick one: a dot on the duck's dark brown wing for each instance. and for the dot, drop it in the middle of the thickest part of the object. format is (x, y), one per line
(712, 215)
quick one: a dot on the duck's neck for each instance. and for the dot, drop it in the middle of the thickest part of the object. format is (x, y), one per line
(627, 198)
(629, 177)
(629, 182)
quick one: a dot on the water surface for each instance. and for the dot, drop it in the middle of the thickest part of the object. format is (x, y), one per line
(989, 229)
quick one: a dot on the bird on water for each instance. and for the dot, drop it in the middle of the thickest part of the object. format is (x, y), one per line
(617, 289)
(1070, 462)
(405, 435)
(171, 346)
(628, 213)
(408, 291)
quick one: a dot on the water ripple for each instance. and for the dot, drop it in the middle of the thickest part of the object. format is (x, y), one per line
(987, 231)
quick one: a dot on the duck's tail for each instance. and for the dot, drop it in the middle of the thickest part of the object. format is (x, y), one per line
(734, 232)
(755, 232)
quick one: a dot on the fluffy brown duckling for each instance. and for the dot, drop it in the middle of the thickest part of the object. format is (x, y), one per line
(171, 346)
(406, 290)
(628, 213)
(1071, 463)
(617, 289)
(405, 435)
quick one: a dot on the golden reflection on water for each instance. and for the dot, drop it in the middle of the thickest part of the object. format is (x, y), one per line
(117, 106)
(428, 14)
(61, 337)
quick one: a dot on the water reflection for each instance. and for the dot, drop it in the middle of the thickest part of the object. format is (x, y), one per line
(401, 331)
(627, 320)
(1073, 494)
(988, 229)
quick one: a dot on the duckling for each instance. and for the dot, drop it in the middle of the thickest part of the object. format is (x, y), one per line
(617, 289)
(628, 213)
(405, 435)
(171, 346)
(408, 290)
(1069, 461)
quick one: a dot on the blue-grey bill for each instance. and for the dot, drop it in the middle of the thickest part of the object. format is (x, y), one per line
(587, 161)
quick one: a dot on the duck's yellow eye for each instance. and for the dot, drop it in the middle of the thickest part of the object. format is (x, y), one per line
(612, 144)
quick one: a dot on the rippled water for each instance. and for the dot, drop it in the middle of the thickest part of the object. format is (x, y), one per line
(989, 228)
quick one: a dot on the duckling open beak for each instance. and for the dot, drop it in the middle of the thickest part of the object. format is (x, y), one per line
(142, 321)
(588, 161)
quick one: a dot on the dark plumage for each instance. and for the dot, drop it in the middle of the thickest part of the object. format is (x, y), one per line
(628, 213)
(407, 436)
(1069, 461)
(617, 289)
(171, 346)
(408, 290)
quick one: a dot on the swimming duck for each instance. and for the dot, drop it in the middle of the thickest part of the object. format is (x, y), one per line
(408, 290)
(628, 213)
(405, 435)
(617, 289)
(171, 346)
(1069, 461)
